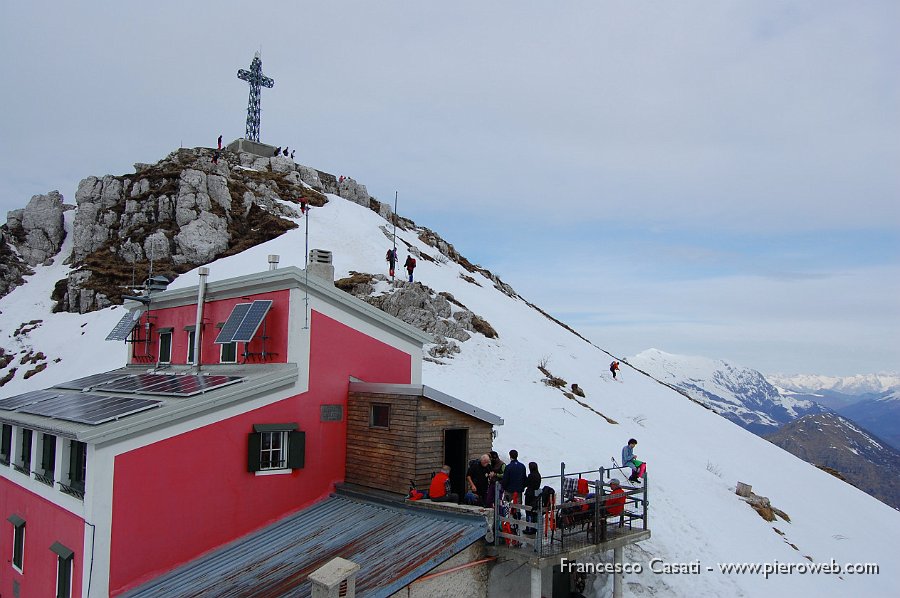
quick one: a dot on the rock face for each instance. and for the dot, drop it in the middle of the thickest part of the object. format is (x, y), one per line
(439, 314)
(38, 230)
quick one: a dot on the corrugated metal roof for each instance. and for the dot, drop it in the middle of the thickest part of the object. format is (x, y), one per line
(420, 390)
(393, 545)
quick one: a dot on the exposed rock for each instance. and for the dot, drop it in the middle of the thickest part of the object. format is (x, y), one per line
(201, 240)
(38, 231)
(436, 313)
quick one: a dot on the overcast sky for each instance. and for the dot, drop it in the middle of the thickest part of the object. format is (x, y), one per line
(705, 178)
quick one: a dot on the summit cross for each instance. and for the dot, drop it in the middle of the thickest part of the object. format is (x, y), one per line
(257, 80)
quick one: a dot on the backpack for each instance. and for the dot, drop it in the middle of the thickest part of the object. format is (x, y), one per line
(412, 262)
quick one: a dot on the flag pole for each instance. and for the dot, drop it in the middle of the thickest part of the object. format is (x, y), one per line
(395, 228)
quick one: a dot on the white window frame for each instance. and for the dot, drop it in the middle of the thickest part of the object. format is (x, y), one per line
(12, 558)
(190, 346)
(222, 351)
(159, 350)
(282, 451)
(70, 562)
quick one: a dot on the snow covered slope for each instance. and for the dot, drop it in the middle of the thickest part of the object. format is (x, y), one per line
(738, 393)
(695, 456)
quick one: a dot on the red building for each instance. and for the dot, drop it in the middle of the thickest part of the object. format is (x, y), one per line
(111, 480)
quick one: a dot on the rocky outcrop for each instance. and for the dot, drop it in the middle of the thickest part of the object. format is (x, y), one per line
(13, 268)
(439, 314)
(37, 231)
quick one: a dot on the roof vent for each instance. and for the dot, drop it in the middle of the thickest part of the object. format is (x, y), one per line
(335, 578)
(320, 264)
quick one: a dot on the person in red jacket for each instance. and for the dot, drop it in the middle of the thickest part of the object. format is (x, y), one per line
(440, 487)
(613, 368)
(615, 502)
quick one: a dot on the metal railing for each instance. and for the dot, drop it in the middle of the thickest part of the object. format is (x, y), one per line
(571, 520)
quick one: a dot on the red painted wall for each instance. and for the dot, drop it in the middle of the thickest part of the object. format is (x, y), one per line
(45, 523)
(177, 318)
(181, 497)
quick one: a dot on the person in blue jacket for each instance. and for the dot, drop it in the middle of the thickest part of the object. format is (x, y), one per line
(514, 475)
(630, 460)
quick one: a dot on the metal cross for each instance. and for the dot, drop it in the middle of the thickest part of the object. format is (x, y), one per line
(257, 80)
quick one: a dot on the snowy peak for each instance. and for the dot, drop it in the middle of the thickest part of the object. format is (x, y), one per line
(740, 394)
(848, 385)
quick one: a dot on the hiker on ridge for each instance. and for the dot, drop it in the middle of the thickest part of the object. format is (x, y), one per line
(391, 258)
(410, 265)
(613, 368)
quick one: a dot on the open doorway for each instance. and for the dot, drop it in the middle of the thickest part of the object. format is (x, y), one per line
(456, 455)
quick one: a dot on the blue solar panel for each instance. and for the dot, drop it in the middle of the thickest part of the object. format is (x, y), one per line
(125, 326)
(252, 320)
(88, 408)
(232, 323)
(180, 385)
(19, 401)
(91, 381)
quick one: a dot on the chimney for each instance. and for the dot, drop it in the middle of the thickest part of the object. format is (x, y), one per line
(320, 264)
(273, 262)
(201, 297)
(336, 578)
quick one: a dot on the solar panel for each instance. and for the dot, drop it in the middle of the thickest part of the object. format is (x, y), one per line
(251, 321)
(91, 381)
(166, 384)
(19, 401)
(88, 408)
(125, 326)
(231, 324)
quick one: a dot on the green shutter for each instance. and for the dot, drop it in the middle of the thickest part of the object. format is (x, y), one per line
(48, 454)
(297, 450)
(254, 440)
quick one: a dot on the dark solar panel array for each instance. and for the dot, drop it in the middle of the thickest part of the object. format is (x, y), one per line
(251, 321)
(231, 324)
(91, 381)
(88, 408)
(125, 326)
(179, 385)
(19, 401)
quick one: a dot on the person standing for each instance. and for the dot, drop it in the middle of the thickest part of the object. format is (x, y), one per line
(391, 258)
(477, 481)
(613, 368)
(532, 495)
(410, 265)
(220, 142)
(514, 475)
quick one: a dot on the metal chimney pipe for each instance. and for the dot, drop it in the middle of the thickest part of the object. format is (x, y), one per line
(273, 262)
(201, 297)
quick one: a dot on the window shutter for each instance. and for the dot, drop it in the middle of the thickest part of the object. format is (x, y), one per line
(48, 454)
(297, 450)
(254, 440)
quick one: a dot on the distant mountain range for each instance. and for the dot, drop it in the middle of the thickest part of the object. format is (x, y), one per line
(871, 400)
(740, 394)
(836, 444)
(860, 384)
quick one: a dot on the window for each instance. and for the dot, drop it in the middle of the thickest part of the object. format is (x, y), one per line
(276, 447)
(48, 459)
(77, 469)
(23, 464)
(6, 444)
(380, 416)
(190, 343)
(165, 346)
(18, 541)
(228, 353)
(64, 558)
